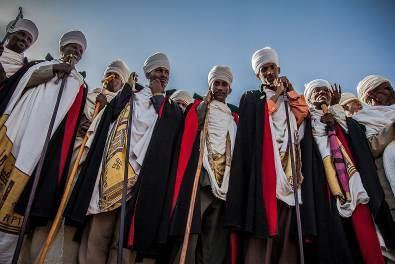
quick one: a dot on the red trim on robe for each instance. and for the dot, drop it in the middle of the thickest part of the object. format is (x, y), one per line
(364, 227)
(131, 233)
(161, 107)
(235, 117)
(269, 176)
(189, 134)
(70, 126)
(234, 247)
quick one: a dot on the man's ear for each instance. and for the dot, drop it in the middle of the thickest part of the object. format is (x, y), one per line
(230, 90)
(257, 76)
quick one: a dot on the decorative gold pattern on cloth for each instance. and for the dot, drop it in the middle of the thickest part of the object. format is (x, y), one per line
(112, 176)
(12, 183)
(218, 162)
(287, 165)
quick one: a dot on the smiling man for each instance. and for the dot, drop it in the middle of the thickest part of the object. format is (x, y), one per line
(23, 128)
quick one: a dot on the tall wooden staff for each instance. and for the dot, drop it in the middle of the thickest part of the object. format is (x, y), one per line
(69, 60)
(125, 176)
(294, 178)
(191, 210)
(69, 185)
(19, 16)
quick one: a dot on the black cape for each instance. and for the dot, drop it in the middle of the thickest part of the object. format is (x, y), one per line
(150, 201)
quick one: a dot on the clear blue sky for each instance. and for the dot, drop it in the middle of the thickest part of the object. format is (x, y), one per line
(341, 41)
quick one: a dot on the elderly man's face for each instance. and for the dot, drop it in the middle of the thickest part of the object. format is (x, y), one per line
(72, 49)
(352, 107)
(19, 41)
(268, 73)
(383, 95)
(115, 84)
(220, 90)
(161, 74)
(320, 96)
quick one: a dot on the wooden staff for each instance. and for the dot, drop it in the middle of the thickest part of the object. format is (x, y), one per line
(69, 185)
(295, 179)
(19, 16)
(125, 176)
(69, 60)
(194, 191)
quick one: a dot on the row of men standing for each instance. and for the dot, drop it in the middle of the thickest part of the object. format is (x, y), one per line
(245, 207)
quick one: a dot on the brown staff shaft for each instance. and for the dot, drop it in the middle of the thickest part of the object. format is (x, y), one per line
(59, 214)
(194, 192)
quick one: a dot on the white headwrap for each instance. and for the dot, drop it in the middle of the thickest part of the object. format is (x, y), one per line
(220, 72)
(263, 56)
(76, 37)
(183, 96)
(119, 67)
(368, 84)
(347, 98)
(25, 25)
(310, 86)
(155, 61)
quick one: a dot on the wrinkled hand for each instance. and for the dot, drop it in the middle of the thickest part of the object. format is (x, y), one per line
(102, 100)
(62, 68)
(280, 88)
(156, 86)
(286, 83)
(336, 94)
(328, 119)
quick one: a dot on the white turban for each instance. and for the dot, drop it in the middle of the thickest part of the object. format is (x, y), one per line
(368, 84)
(155, 61)
(220, 72)
(310, 86)
(347, 98)
(25, 25)
(76, 37)
(183, 96)
(263, 56)
(119, 67)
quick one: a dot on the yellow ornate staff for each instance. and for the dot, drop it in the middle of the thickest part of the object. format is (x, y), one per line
(59, 214)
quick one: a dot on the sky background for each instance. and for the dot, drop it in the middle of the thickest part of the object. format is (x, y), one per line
(341, 41)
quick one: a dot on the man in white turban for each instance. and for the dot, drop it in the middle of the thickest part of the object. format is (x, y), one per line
(24, 122)
(96, 197)
(345, 166)
(378, 116)
(350, 103)
(376, 90)
(264, 111)
(21, 37)
(210, 244)
(182, 98)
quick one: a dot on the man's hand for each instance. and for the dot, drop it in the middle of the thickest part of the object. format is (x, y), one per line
(62, 68)
(286, 83)
(336, 94)
(1, 49)
(102, 100)
(132, 79)
(328, 119)
(156, 86)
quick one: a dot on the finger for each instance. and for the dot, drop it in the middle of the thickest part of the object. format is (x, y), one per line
(340, 89)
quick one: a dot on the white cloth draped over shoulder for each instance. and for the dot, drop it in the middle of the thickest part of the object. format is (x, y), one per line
(29, 114)
(220, 124)
(11, 61)
(278, 124)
